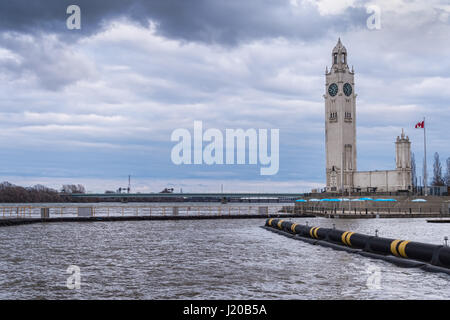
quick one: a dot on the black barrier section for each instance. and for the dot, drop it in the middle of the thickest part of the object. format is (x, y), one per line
(322, 233)
(444, 256)
(301, 230)
(420, 251)
(305, 231)
(359, 240)
(433, 254)
(379, 245)
(336, 236)
(286, 226)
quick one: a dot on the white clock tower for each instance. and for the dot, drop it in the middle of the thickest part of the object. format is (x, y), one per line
(340, 122)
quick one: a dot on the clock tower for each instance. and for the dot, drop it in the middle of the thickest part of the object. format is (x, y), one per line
(340, 126)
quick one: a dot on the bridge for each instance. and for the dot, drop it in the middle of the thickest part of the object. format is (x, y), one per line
(249, 197)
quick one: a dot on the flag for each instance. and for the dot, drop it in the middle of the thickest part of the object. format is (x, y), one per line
(421, 124)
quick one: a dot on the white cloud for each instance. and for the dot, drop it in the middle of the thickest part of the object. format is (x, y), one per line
(45, 60)
(332, 7)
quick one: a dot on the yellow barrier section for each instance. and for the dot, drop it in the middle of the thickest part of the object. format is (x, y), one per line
(394, 247)
(270, 222)
(346, 238)
(313, 232)
(293, 227)
(401, 249)
(343, 237)
(279, 223)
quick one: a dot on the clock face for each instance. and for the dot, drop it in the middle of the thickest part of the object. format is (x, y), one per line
(347, 89)
(333, 89)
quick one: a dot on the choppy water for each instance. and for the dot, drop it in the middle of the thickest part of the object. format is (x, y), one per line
(213, 259)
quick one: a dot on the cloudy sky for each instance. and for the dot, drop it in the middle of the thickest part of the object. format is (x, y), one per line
(94, 105)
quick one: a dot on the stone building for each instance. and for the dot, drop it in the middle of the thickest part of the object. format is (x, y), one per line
(340, 137)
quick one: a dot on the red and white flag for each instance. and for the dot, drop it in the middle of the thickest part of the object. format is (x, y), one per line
(421, 124)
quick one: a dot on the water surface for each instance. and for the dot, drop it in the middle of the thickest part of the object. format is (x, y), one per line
(211, 259)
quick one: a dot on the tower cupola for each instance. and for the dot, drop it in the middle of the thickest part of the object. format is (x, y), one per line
(339, 56)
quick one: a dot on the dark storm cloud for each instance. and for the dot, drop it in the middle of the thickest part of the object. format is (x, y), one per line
(210, 21)
(50, 15)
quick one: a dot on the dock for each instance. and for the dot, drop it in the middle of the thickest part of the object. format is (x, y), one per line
(384, 215)
(438, 220)
(401, 207)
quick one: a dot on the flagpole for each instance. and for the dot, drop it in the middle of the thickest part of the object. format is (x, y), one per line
(425, 157)
(342, 174)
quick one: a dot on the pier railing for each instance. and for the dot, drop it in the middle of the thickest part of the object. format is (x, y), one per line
(361, 211)
(39, 212)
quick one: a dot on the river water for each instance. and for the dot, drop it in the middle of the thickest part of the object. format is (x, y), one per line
(209, 259)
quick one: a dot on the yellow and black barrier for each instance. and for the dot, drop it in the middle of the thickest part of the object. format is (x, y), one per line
(434, 255)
